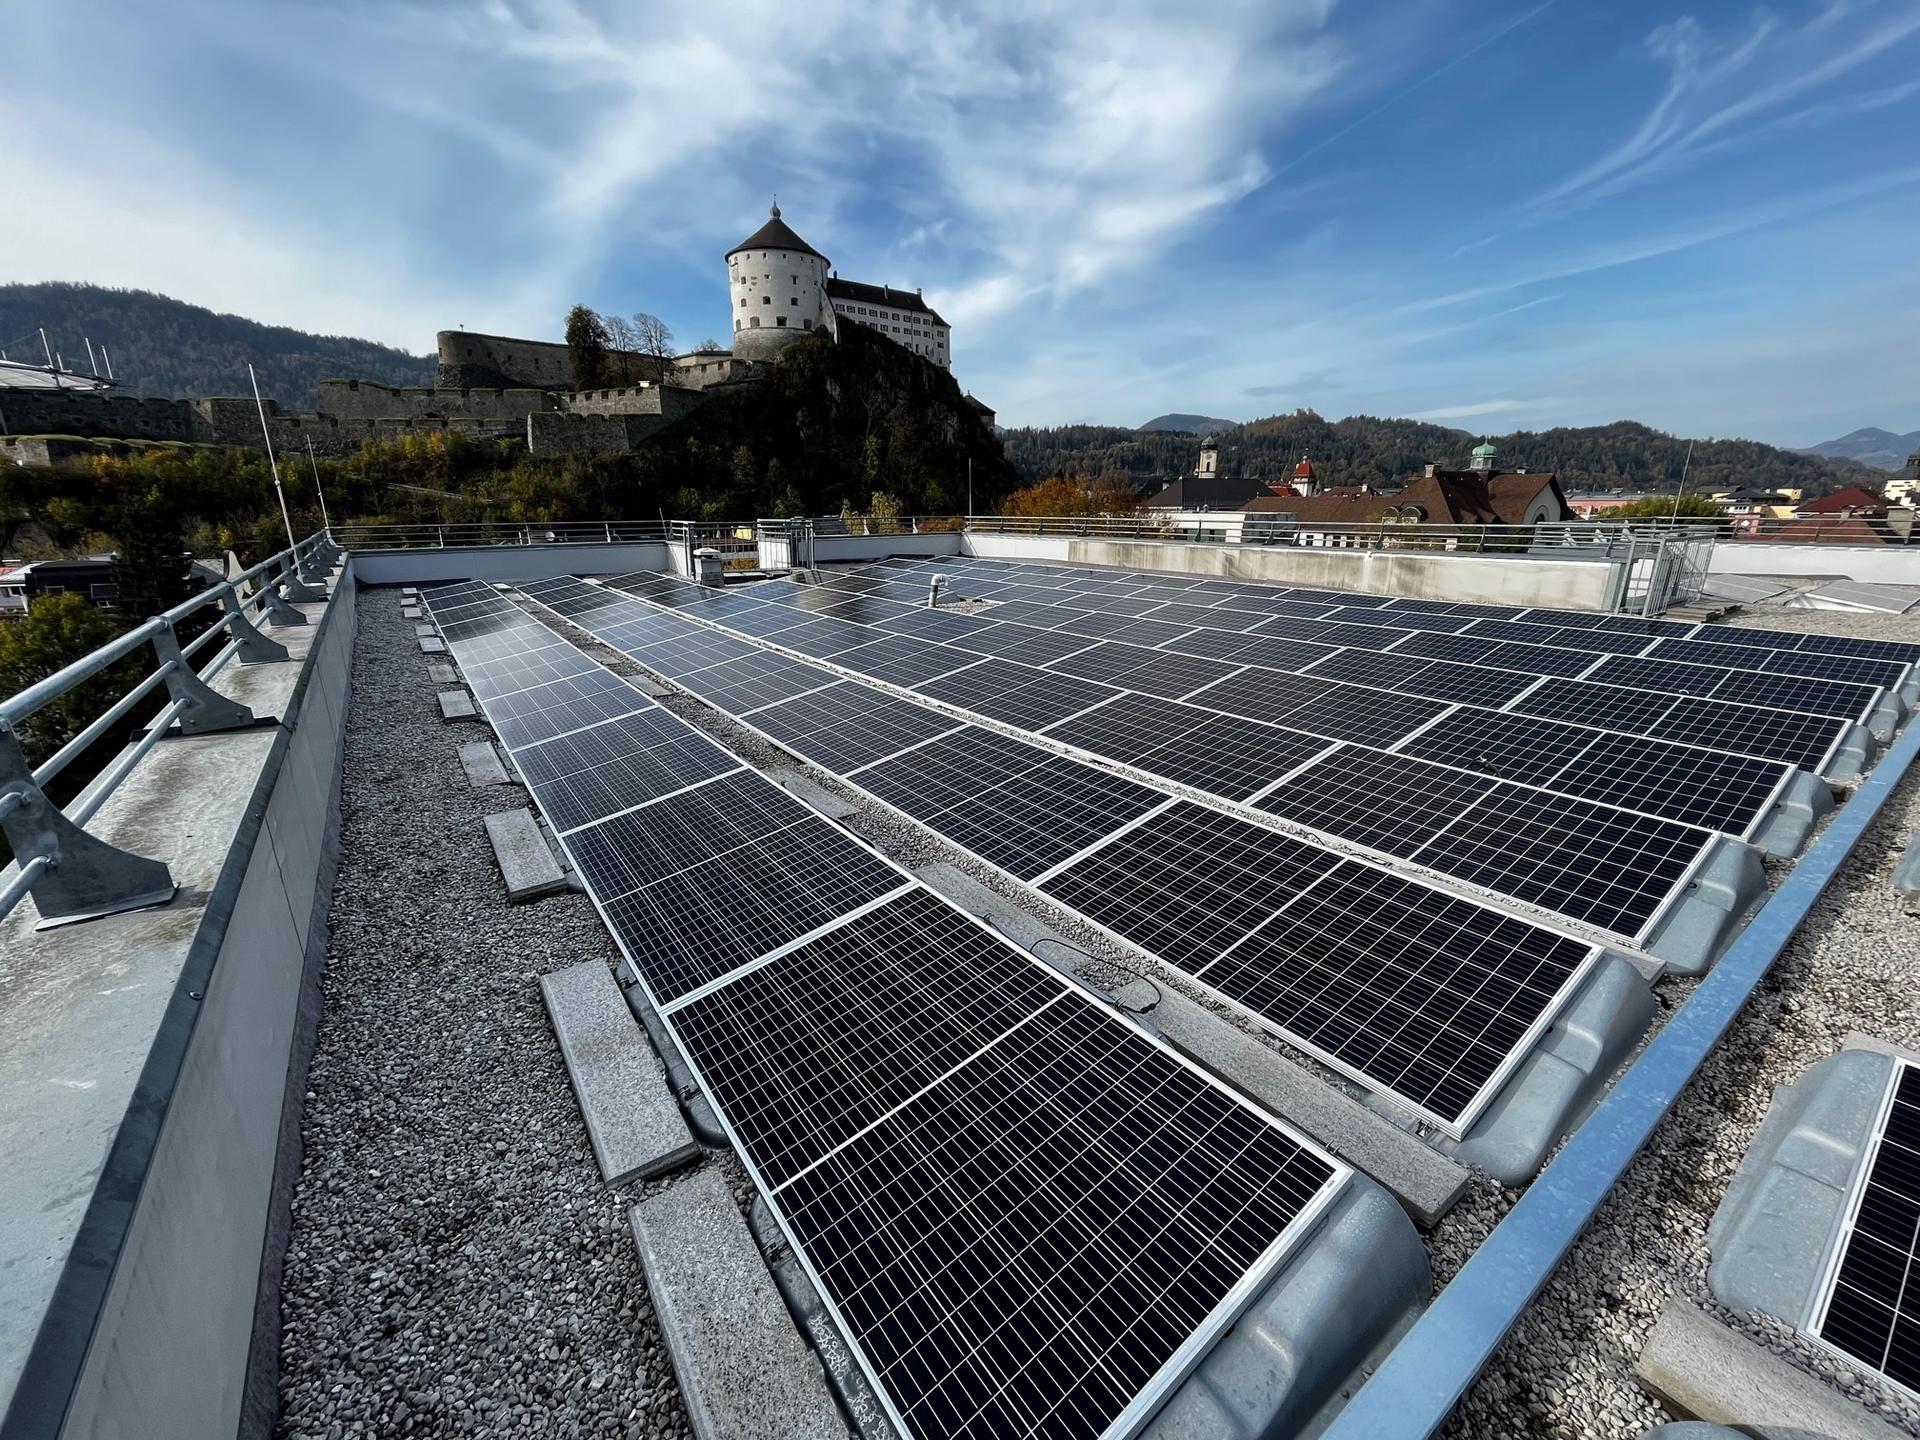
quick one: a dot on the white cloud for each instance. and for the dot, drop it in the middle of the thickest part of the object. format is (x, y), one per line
(1723, 89)
(1483, 407)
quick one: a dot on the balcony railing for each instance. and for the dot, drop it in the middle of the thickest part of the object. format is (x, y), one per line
(71, 874)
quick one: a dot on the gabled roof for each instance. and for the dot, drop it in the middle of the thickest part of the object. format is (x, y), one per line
(1209, 492)
(1851, 497)
(838, 289)
(1449, 497)
(776, 234)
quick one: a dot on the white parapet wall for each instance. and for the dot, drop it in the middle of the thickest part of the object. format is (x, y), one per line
(1587, 584)
(495, 563)
(1875, 564)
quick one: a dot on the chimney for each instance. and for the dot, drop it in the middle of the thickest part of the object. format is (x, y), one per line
(1430, 469)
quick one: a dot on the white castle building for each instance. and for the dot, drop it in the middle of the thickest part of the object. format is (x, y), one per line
(780, 284)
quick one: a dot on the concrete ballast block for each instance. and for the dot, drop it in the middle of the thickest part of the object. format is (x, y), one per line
(1700, 1369)
(432, 645)
(632, 1118)
(742, 1366)
(482, 764)
(457, 705)
(526, 860)
(409, 612)
(425, 628)
(441, 673)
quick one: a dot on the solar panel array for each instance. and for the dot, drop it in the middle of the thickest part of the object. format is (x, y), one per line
(1605, 867)
(1028, 1216)
(1871, 1310)
(1423, 996)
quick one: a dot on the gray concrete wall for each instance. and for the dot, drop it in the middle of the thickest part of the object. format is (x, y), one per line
(1434, 575)
(171, 1348)
(507, 562)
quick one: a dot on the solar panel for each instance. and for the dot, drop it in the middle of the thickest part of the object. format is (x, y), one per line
(849, 724)
(689, 928)
(1024, 643)
(1016, 694)
(1225, 755)
(607, 768)
(1135, 667)
(755, 680)
(902, 661)
(529, 715)
(1015, 805)
(811, 1048)
(1025, 1248)
(1871, 1309)
(1805, 740)
(1413, 992)
(1886, 673)
(1840, 699)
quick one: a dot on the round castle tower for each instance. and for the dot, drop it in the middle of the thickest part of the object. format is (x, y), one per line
(777, 282)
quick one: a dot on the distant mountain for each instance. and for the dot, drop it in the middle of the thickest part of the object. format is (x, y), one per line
(1191, 424)
(162, 346)
(1365, 449)
(1881, 449)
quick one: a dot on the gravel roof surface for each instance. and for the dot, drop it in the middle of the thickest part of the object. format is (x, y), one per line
(457, 1266)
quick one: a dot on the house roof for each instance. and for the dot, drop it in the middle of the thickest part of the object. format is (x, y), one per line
(838, 289)
(1448, 497)
(776, 234)
(1210, 492)
(1850, 497)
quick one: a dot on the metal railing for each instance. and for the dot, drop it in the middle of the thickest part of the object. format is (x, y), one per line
(71, 874)
(429, 536)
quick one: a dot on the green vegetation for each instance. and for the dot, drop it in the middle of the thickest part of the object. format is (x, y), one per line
(588, 346)
(162, 346)
(1365, 449)
(1062, 495)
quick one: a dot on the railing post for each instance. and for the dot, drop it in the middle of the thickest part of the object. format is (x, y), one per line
(255, 648)
(70, 874)
(296, 592)
(202, 709)
(273, 608)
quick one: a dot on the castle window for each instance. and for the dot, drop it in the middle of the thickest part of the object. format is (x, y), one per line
(793, 300)
(766, 299)
(754, 322)
(780, 320)
(796, 279)
(743, 302)
(806, 324)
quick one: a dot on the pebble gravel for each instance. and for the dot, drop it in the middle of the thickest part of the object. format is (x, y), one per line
(456, 1267)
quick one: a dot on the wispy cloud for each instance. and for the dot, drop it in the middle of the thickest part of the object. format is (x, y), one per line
(1724, 88)
(1484, 407)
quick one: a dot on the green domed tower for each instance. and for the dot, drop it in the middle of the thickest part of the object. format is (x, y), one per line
(1483, 454)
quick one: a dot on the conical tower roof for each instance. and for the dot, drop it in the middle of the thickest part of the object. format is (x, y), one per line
(776, 234)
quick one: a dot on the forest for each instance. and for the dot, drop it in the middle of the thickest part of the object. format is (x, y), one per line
(1367, 449)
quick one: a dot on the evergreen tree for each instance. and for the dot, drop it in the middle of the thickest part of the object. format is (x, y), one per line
(150, 568)
(588, 347)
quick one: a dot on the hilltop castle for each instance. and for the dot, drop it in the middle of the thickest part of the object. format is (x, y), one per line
(779, 288)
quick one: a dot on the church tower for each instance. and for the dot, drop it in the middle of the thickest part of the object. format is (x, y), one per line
(777, 283)
(1483, 457)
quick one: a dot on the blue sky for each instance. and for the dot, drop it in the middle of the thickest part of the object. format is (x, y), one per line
(1493, 213)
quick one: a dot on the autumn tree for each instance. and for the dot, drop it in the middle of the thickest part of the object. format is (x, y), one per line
(1064, 495)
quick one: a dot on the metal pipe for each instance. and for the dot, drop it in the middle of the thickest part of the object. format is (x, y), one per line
(89, 804)
(18, 706)
(16, 889)
(1424, 1376)
(65, 755)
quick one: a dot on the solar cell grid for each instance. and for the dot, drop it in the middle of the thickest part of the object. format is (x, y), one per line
(755, 680)
(1016, 694)
(902, 661)
(526, 671)
(1872, 1309)
(1135, 667)
(1424, 995)
(531, 715)
(688, 929)
(1564, 637)
(1024, 643)
(597, 772)
(848, 725)
(1189, 882)
(1787, 692)
(1569, 856)
(1398, 619)
(1805, 740)
(1034, 1172)
(1784, 662)
(666, 836)
(1389, 802)
(817, 1044)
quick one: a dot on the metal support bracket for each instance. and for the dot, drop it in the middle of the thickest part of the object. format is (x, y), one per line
(80, 877)
(202, 708)
(297, 593)
(313, 569)
(255, 648)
